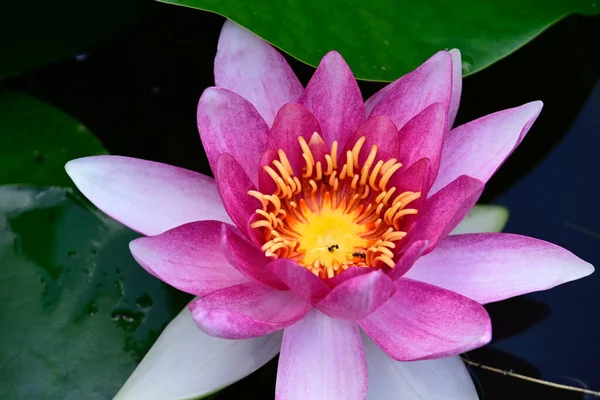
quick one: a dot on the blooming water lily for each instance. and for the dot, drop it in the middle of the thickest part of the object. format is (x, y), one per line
(325, 233)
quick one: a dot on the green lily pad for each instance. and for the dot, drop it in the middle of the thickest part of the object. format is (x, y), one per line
(77, 312)
(36, 140)
(37, 32)
(381, 40)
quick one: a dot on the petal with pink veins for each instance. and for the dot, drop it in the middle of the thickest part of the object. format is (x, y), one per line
(322, 358)
(430, 83)
(247, 258)
(228, 123)
(185, 258)
(298, 279)
(358, 297)
(334, 98)
(410, 254)
(423, 321)
(147, 196)
(378, 131)
(442, 379)
(444, 210)
(489, 267)
(252, 68)
(186, 363)
(247, 310)
(291, 122)
(233, 185)
(456, 86)
(478, 148)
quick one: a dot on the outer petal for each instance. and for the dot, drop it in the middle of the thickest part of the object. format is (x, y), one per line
(186, 363)
(185, 258)
(477, 149)
(247, 258)
(250, 67)
(298, 279)
(358, 297)
(228, 123)
(322, 358)
(146, 196)
(456, 86)
(423, 321)
(446, 209)
(428, 84)
(334, 98)
(441, 379)
(483, 218)
(234, 184)
(247, 310)
(489, 267)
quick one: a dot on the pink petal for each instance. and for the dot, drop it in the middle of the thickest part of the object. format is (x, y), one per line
(291, 122)
(298, 279)
(146, 196)
(351, 272)
(479, 148)
(378, 131)
(233, 184)
(410, 255)
(442, 379)
(334, 98)
(250, 67)
(422, 137)
(247, 310)
(456, 86)
(322, 358)
(228, 123)
(358, 297)
(445, 209)
(247, 258)
(423, 321)
(188, 258)
(489, 267)
(428, 84)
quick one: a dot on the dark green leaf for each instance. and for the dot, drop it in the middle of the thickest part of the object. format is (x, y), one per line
(381, 40)
(36, 32)
(36, 140)
(77, 313)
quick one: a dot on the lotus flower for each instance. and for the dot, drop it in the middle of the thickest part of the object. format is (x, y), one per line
(328, 220)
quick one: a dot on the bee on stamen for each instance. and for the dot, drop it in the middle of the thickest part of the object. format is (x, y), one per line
(332, 248)
(359, 255)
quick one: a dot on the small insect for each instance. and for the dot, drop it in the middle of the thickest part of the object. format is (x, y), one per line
(332, 248)
(325, 180)
(359, 255)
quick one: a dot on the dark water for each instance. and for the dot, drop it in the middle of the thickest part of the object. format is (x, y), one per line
(138, 92)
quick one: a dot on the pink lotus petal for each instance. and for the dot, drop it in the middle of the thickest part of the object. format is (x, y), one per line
(301, 281)
(445, 209)
(456, 86)
(410, 254)
(146, 196)
(228, 123)
(423, 321)
(358, 297)
(379, 131)
(428, 84)
(479, 148)
(334, 98)
(185, 258)
(291, 122)
(233, 184)
(247, 310)
(322, 358)
(489, 267)
(422, 137)
(247, 258)
(442, 379)
(351, 272)
(250, 67)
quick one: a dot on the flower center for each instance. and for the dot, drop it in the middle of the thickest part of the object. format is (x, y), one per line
(333, 215)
